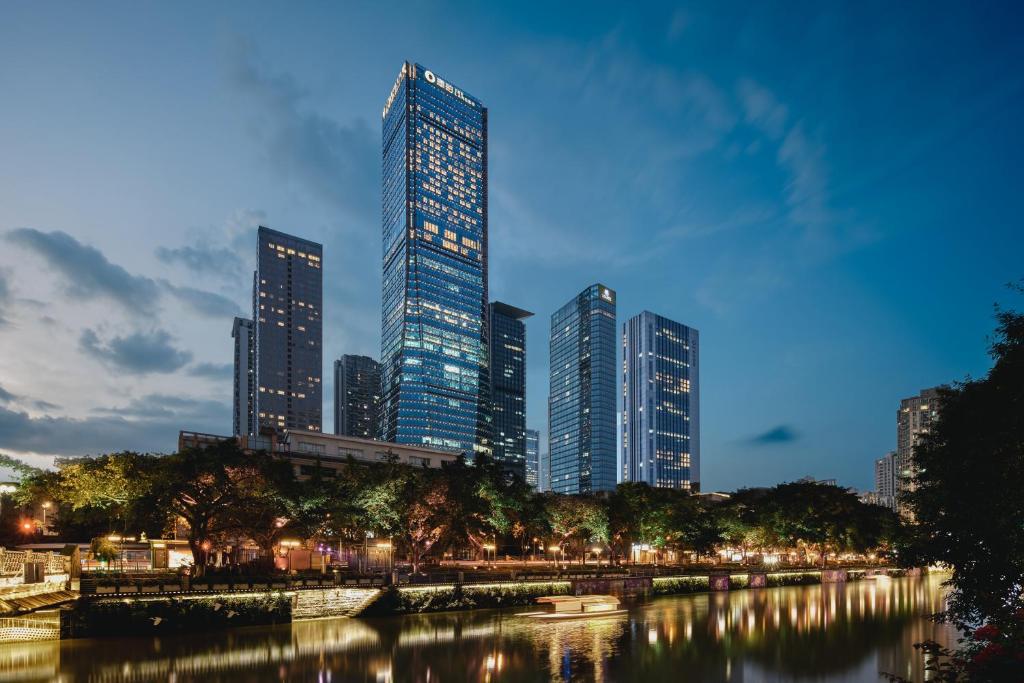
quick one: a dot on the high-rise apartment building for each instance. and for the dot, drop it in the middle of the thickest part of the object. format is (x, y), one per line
(661, 403)
(885, 475)
(434, 367)
(913, 420)
(245, 377)
(508, 385)
(533, 458)
(885, 481)
(356, 396)
(582, 400)
(288, 336)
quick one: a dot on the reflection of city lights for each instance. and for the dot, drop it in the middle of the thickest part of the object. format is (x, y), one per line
(652, 636)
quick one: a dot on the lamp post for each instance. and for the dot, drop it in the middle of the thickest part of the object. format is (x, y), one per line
(46, 506)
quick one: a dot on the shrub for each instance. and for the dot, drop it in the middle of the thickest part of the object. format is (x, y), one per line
(175, 615)
(673, 585)
(457, 597)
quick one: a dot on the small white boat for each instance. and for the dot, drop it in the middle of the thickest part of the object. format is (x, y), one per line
(576, 607)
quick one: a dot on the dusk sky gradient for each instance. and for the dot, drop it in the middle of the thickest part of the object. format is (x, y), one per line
(832, 196)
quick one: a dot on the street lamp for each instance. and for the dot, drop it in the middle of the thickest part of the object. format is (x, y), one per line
(46, 506)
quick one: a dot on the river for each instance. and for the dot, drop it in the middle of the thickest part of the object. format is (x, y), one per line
(832, 633)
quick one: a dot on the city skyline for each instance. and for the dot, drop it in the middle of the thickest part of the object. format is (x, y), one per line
(98, 269)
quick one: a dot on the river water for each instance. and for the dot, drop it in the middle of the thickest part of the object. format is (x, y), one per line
(832, 633)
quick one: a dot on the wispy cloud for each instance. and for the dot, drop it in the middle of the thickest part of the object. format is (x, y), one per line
(203, 259)
(205, 303)
(5, 298)
(212, 370)
(335, 161)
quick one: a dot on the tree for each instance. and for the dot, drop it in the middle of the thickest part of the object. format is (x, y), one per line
(967, 502)
(202, 485)
(577, 519)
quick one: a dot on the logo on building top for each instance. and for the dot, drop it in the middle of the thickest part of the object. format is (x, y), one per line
(608, 295)
(434, 79)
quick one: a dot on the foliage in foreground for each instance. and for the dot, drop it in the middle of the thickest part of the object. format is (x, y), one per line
(969, 512)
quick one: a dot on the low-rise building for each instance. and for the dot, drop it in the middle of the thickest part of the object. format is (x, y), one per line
(305, 450)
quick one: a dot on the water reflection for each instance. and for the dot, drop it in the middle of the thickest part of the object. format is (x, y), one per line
(809, 633)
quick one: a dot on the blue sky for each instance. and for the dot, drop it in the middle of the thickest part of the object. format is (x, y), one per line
(831, 195)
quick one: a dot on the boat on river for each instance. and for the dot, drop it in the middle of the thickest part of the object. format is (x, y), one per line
(576, 607)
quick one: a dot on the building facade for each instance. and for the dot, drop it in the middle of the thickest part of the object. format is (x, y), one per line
(332, 453)
(288, 332)
(913, 420)
(245, 377)
(661, 403)
(434, 367)
(508, 385)
(885, 475)
(533, 459)
(356, 396)
(582, 400)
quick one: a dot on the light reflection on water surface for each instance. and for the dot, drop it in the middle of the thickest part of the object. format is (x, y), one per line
(808, 633)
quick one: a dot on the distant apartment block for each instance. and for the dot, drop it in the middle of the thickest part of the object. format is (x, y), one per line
(244, 377)
(356, 396)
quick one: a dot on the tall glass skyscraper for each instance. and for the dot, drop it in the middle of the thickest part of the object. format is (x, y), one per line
(533, 458)
(581, 403)
(245, 377)
(508, 385)
(356, 396)
(661, 403)
(288, 337)
(434, 344)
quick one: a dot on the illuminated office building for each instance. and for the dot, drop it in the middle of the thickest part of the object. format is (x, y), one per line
(661, 403)
(582, 399)
(533, 458)
(287, 298)
(434, 332)
(508, 385)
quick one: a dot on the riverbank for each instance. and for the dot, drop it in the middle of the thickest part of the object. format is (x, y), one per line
(144, 615)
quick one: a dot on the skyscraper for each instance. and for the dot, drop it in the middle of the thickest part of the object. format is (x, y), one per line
(661, 402)
(356, 396)
(913, 419)
(508, 385)
(288, 337)
(533, 458)
(434, 305)
(582, 401)
(245, 375)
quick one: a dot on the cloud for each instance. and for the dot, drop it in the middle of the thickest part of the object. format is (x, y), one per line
(775, 435)
(203, 259)
(335, 162)
(762, 109)
(6, 396)
(5, 298)
(137, 353)
(87, 271)
(149, 424)
(203, 302)
(212, 370)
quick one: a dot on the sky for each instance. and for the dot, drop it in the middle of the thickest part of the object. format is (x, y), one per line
(831, 194)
